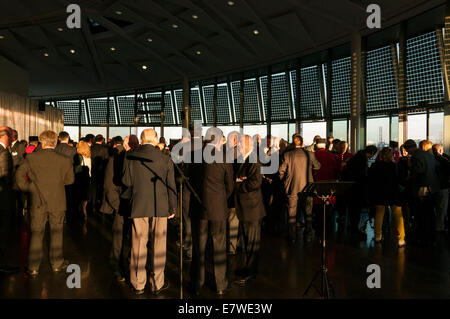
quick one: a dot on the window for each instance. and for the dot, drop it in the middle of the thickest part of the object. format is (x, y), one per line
(93, 130)
(119, 131)
(73, 132)
(312, 129)
(340, 130)
(280, 130)
(436, 127)
(378, 131)
(417, 127)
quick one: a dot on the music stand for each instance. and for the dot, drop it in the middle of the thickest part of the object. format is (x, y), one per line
(324, 190)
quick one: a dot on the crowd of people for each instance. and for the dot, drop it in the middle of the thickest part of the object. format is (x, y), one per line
(135, 181)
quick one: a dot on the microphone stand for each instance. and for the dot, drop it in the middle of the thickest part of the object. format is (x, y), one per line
(182, 179)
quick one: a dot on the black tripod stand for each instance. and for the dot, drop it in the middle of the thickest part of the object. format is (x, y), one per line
(324, 191)
(325, 285)
(182, 179)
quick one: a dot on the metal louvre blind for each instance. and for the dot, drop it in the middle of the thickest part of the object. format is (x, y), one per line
(380, 81)
(280, 97)
(70, 109)
(179, 103)
(126, 109)
(340, 86)
(223, 108)
(98, 112)
(311, 103)
(168, 110)
(251, 103)
(423, 70)
(196, 113)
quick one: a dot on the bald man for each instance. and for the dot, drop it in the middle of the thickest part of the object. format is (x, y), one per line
(7, 201)
(150, 175)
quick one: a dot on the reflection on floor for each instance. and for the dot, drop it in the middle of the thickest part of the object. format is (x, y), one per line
(285, 268)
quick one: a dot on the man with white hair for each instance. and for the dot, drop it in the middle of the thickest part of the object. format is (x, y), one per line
(150, 175)
(44, 175)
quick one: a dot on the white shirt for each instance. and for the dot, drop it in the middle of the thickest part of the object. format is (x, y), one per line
(2, 144)
(13, 143)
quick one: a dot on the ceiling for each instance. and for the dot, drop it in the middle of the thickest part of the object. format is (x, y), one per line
(175, 39)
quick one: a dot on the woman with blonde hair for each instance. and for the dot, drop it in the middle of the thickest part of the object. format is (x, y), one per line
(83, 166)
(385, 191)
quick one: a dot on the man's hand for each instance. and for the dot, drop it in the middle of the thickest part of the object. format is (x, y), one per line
(171, 216)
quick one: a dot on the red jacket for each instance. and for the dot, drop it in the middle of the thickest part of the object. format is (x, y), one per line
(342, 162)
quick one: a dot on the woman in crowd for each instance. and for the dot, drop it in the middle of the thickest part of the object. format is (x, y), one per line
(83, 167)
(385, 191)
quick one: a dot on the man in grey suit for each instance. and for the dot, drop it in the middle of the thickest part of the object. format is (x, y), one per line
(150, 175)
(48, 173)
(296, 172)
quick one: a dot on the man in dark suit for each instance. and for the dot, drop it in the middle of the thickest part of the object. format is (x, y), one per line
(232, 220)
(216, 187)
(63, 146)
(65, 149)
(44, 175)
(7, 202)
(99, 158)
(150, 174)
(17, 150)
(18, 153)
(425, 187)
(116, 202)
(249, 208)
(296, 172)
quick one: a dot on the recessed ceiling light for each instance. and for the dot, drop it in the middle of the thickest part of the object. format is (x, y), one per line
(175, 26)
(45, 54)
(113, 49)
(198, 52)
(72, 51)
(230, 3)
(60, 29)
(149, 39)
(194, 16)
(2, 37)
(255, 32)
(118, 12)
(144, 67)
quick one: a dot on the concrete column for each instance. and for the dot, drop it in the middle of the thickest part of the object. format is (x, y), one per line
(358, 98)
(402, 87)
(186, 103)
(445, 59)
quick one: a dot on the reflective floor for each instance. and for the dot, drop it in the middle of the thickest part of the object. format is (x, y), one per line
(285, 268)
